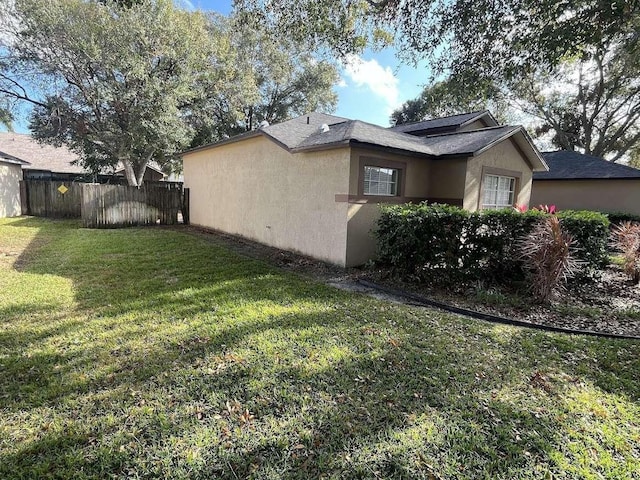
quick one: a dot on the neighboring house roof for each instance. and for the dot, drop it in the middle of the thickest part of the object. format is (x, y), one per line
(38, 157)
(305, 133)
(35, 156)
(151, 166)
(568, 165)
(6, 158)
(451, 123)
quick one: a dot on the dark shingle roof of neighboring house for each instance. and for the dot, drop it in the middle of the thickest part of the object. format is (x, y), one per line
(451, 123)
(305, 133)
(568, 165)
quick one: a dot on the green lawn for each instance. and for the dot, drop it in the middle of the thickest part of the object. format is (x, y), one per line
(150, 353)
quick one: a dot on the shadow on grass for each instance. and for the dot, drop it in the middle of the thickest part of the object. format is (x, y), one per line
(181, 359)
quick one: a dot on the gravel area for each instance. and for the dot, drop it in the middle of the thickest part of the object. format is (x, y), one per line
(610, 305)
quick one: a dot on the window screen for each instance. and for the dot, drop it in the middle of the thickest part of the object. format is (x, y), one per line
(381, 181)
(499, 192)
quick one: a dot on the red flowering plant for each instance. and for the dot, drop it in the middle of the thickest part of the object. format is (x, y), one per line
(550, 209)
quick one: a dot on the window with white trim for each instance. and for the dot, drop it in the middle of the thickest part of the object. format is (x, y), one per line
(381, 181)
(499, 192)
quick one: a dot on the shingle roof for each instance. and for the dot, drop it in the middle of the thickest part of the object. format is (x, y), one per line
(362, 132)
(294, 131)
(468, 142)
(450, 123)
(568, 165)
(25, 148)
(6, 158)
(305, 133)
(41, 157)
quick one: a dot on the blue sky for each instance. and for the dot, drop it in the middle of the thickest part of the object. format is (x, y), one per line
(371, 85)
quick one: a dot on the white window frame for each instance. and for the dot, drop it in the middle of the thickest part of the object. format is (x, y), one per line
(393, 184)
(493, 202)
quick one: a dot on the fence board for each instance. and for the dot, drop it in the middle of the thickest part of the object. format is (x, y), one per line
(121, 206)
(43, 199)
(105, 205)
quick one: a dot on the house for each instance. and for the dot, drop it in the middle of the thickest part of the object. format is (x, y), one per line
(313, 184)
(46, 162)
(10, 176)
(584, 182)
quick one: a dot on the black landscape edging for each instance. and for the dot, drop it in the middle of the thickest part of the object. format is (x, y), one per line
(424, 301)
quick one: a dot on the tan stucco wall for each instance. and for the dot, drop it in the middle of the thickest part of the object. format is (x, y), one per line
(417, 176)
(503, 156)
(362, 217)
(256, 189)
(448, 179)
(10, 176)
(599, 195)
(478, 124)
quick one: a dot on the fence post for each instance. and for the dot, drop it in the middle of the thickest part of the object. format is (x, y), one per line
(185, 206)
(24, 198)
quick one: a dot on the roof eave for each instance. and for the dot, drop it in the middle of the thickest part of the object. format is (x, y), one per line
(226, 141)
(5, 157)
(322, 146)
(565, 179)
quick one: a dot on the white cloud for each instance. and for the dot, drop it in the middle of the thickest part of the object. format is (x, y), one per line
(186, 4)
(370, 74)
(342, 83)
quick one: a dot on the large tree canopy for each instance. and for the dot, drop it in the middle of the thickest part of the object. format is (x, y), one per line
(572, 65)
(470, 37)
(274, 81)
(589, 103)
(121, 78)
(448, 97)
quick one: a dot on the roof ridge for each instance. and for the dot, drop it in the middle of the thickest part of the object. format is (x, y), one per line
(406, 136)
(464, 132)
(477, 112)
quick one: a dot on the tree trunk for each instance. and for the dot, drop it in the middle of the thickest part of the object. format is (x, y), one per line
(130, 174)
(135, 171)
(140, 173)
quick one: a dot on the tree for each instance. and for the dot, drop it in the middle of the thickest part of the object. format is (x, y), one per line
(274, 81)
(589, 101)
(591, 104)
(448, 97)
(478, 37)
(123, 77)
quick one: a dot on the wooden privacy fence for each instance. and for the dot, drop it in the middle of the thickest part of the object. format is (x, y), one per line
(121, 206)
(102, 205)
(43, 198)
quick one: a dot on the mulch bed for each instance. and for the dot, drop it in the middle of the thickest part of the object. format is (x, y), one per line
(610, 305)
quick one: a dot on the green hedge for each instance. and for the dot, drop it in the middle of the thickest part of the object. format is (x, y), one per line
(590, 230)
(617, 218)
(442, 243)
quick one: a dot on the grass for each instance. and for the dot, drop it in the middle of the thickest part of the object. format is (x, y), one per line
(151, 353)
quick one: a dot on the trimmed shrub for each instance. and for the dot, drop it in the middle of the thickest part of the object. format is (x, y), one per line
(491, 249)
(590, 231)
(415, 238)
(616, 218)
(444, 244)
